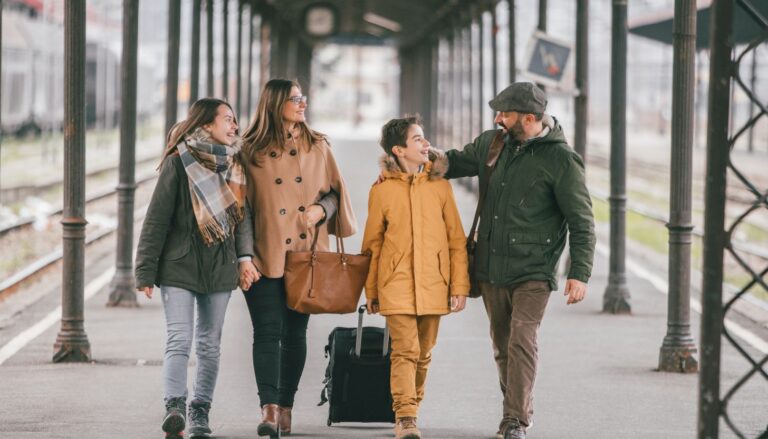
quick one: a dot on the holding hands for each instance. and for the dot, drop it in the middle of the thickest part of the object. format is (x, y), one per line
(248, 274)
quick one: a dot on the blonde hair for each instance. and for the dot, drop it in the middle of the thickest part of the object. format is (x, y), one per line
(267, 129)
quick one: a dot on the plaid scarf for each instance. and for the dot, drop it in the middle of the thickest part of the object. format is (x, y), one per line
(216, 184)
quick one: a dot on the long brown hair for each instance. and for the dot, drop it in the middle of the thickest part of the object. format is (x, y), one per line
(267, 129)
(201, 113)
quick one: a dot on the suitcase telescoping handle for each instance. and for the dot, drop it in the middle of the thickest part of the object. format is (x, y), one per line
(359, 334)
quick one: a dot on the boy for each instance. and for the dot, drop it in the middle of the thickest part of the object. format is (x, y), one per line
(418, 268)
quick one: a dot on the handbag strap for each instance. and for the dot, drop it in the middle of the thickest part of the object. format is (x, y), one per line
(339, 239)
(494, 151)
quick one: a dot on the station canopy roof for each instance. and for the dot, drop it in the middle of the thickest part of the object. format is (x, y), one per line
(400, 22)
(747, 26)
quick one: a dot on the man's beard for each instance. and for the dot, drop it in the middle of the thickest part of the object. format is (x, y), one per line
(516, 132)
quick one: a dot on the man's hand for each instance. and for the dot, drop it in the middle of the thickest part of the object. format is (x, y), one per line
(146, 290)
(575, 290)
(458, 303)
(372, 306)
(315, 214)
(248, 274)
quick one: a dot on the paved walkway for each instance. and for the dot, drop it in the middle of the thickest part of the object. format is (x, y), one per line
(596, 376)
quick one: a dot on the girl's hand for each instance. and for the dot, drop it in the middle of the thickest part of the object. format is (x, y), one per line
(458, 303)
(146, 290)
(248, 274)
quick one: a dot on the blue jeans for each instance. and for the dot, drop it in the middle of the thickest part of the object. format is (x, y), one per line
(179, 305)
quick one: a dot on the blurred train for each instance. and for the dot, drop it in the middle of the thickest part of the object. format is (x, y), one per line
(33, 78)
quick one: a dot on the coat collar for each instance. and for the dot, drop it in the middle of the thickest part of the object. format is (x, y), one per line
(434, 169)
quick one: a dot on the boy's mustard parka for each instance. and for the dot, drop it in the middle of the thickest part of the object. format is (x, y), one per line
(416, 240)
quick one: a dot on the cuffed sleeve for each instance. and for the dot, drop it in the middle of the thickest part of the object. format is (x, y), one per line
(457, 245)
(244, 236)
(373, 239)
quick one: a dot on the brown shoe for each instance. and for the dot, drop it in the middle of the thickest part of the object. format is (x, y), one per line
(269, 418)
(405, 428)
(285, 420)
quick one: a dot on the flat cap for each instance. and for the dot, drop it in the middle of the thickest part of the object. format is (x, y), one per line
(523, 97)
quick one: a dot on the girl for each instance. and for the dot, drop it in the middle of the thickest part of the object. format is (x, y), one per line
(187, 247)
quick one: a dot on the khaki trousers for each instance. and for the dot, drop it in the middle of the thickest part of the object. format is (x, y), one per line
(515, 313)
(413, 338)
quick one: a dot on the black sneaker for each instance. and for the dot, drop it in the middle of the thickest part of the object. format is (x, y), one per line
(198, 419)
(174, 422)
(514, 430)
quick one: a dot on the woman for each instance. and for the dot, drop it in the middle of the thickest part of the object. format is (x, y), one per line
(297, 191)
(187, 247)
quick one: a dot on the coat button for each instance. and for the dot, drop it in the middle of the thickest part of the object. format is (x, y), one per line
(294, 152)
(303, 236)
(288, 241)
(279, 181)
(282, 211)
(273, 154)
(298, 179)
(302, 208)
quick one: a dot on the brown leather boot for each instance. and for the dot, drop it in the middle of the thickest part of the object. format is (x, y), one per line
(270, 416)
(405, 428)
(285, 420)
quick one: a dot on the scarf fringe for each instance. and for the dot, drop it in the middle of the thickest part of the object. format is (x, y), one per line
(213, 232)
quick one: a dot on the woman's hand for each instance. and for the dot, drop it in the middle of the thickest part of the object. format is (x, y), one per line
(372, 306)
(248, 274)
(146, 290)
(458, 303)
(315, 214)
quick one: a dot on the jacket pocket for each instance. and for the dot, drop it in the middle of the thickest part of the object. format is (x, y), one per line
(388, 270)
(176, 249)
(529, 248)
(444, 266)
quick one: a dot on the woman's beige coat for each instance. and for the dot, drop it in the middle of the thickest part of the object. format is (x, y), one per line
(280, 190)
(416, 240)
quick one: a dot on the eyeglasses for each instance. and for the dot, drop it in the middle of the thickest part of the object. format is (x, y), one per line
(298, 99)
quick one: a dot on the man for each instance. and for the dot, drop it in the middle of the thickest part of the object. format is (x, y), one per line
(536, 197)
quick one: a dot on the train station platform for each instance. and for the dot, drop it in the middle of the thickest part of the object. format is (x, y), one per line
(596, 377)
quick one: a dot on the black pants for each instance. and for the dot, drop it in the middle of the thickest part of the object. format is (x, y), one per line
(279, 342)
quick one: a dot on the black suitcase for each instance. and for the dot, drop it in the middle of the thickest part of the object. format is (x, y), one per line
(357, 377)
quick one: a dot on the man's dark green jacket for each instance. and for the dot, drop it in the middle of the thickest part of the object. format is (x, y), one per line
(171, 251)
(536, 196)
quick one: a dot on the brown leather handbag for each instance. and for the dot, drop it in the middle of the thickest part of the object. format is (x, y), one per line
(494, 151)
(324, 282)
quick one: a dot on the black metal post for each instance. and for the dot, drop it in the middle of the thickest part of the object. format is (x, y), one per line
(581, 101)
(512, 42)
(72, 342)
(458, 79)
(616, 297)
(225, 52)
(678, 351)
(265, 51)
(122, 288)
(752, 84)
(481, 68)
(542, 26)
(194, 70)
(210, 80)
(172, 68)
(239, 62)
(494, 51)
(249, 76)
(715, 237)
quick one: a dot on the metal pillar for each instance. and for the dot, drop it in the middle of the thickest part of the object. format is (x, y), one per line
(494, 51)
(752, 85)
(1, 92)
(122, 289)
(249, 76)
(715, 237)
(512, 42)
(209, 89)
(172, 80)
(265, 44)
(458, 79)
(225, 52)
(481, 68)
(72, 343)
(616, 297)
(239, 61)
(678, 350)
(194, 71)
(581, 101)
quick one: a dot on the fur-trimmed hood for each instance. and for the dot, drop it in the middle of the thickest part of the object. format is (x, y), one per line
(434, 169)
